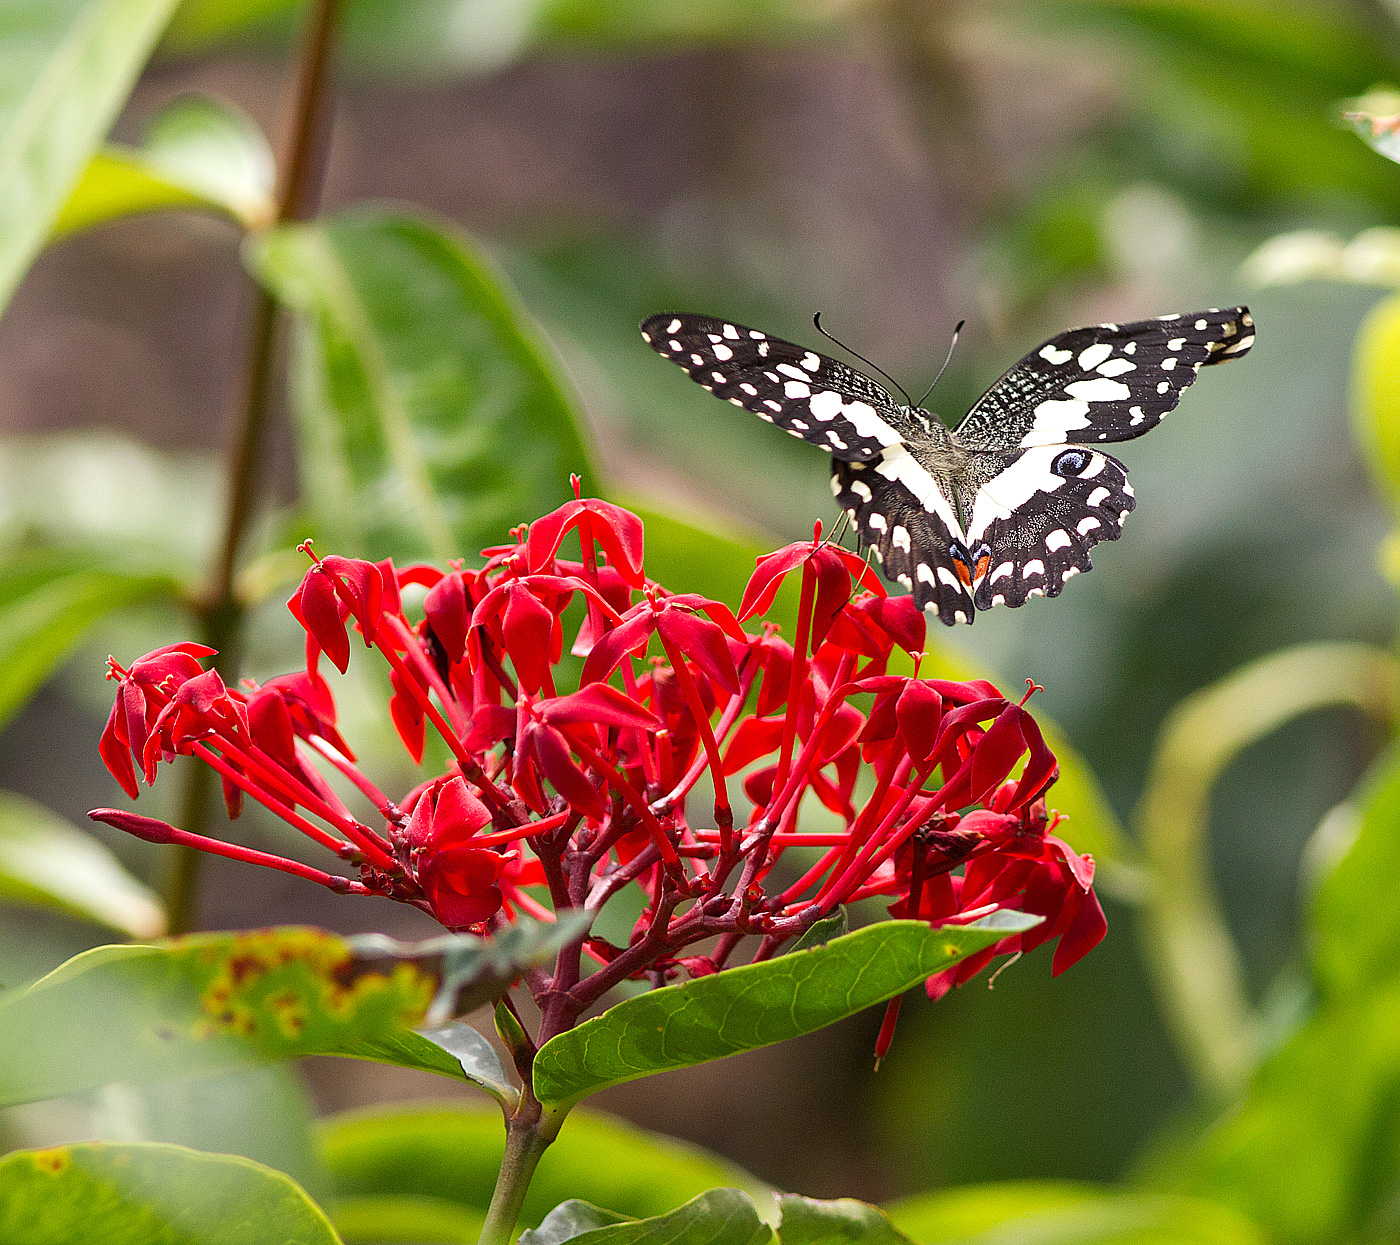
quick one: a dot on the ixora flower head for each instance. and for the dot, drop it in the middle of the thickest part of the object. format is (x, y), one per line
(929, 795)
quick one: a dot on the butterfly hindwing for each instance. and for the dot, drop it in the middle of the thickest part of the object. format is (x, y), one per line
(911, 538)
(1035, 516)
(1108, 382)
(806, 394)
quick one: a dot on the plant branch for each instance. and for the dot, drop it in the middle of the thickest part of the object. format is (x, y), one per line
(220, 613)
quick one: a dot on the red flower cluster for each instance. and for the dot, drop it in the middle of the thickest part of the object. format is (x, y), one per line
(561, 798)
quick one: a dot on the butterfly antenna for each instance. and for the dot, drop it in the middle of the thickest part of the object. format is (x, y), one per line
(817, 320)
(946, 361)
(840, 529)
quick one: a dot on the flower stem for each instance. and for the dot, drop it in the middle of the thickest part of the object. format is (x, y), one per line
(528, 1134)
(221, 613)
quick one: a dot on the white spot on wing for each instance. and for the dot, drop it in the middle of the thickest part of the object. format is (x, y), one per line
(722, 352)
(1116, 367)
(811, 362)
(1058, 539)
(1051, 355)
(1087, 525)
(1101, 389)
(1091, 356)
(674, 327)
(796, 389)
(1097, 497)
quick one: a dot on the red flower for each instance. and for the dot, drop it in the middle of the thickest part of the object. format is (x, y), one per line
(458, 878)
(936, 789)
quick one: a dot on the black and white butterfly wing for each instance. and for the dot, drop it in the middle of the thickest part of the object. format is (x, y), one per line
(1035, 516)
(1108, 382)
(809, 395)
(913, 535)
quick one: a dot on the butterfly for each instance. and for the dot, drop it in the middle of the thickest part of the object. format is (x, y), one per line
(1006, 505)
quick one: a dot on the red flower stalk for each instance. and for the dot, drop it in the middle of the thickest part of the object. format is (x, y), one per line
(560, 798)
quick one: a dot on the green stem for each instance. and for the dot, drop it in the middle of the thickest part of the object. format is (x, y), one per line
(220, 613)
(529, 1133)
(1193, 958)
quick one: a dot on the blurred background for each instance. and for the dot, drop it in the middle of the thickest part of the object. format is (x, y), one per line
(897, 166)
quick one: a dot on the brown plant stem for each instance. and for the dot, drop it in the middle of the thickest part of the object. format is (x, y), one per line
(220, 613)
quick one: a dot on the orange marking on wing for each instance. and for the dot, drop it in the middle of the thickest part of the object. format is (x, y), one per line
(960, 567)
(983, 564)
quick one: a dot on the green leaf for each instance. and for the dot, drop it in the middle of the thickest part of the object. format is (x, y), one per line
(1046, 1213)
(1355, 925)
(197, 153)
(430, 417)
(1312, 1151)
(568, 1220)
(718, 1217)
(149, 1194)
(480, 1063)
(66, 68)
(807, 1221)
(822, 931)
(1375, 396)
(210, 1002)
(48, 601)
(47, 862)
(449, 1154)
(755, 1005)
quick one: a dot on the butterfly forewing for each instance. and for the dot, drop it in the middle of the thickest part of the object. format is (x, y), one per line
(1034, 520)
(1109, 382)
(809, 395)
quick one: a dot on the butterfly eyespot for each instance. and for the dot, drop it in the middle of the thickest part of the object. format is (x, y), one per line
(1070, 463)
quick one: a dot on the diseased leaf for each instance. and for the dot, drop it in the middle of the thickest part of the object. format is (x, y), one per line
(447, 1154)
(66, 68)
(47, 862)
(430, 417)
(755, 1005)
(151, 1194)
(209, 1002)
(807, 1221)
(48, 601)
(197, 153)
(1050, 1213)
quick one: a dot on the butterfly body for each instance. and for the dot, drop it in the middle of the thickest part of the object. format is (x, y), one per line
(1007, 505)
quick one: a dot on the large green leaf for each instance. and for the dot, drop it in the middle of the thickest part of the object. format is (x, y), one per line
(1046, 1213)
(1312, 1152)
(441, 1159)
(150, 1194)
(807, 1221)
(47, 862)
(196, 153)
(1355, 924)
(755, 1005)
(48, 601)
(214, 1001)
(718, 1217)
(430, 418)
(66, 68)
(1375, 396)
